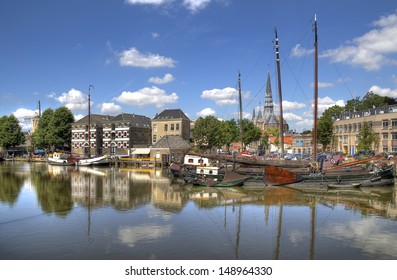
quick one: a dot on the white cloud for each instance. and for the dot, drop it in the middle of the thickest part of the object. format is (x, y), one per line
(164, 80)
(372, 50)
(155, 35)
(147, 96)
(23, 113)
(221, 97)
(73, 99)
(298, 51)
(383, 91)
(134, 58)
(147, 2)
(288, 105)
(78, 117)
(206, 112)
(110, 108)
(192, 5)
(292, 117)
(195, 5)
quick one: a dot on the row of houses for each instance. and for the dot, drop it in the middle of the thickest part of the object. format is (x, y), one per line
(165, 137)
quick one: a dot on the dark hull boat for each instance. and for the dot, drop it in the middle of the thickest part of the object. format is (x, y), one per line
(277, 176)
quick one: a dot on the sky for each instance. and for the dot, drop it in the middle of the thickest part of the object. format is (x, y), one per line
(144, 56)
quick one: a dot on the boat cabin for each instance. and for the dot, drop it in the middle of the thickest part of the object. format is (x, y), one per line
(196, 160)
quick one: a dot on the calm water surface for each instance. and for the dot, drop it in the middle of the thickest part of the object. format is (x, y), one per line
(50, 212)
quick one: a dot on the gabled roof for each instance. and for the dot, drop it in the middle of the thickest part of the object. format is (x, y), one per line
(171, 114)
(172, 142)
(95, 118)
(133, 119)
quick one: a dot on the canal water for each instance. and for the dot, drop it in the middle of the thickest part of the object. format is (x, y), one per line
(84, 213)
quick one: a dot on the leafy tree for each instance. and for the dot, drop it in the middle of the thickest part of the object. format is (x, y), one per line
(60, 128)
(366, 137)
(324, 131)
(10, 132)
(325, 126)
(251, 132)
(372, 100)
(231, 132)
(353, 105)
(208, 132)
(40, 136)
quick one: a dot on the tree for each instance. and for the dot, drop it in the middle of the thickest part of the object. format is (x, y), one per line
(251, 132)
(366, 137)
(40, 136)
(208, 132)
(231, 132)
(324, 131)
(60, 128)
(10, 132)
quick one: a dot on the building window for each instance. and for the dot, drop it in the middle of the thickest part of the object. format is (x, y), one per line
(154, 138)
(394, 136)
(155, 128)
(385, 124)
(177, 126)
(394, 123)
(172, 127)
(385, 136)
(166, 127)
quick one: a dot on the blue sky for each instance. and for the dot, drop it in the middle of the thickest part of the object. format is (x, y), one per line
(144, 56)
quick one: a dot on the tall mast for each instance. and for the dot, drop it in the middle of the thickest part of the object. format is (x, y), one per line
(280, 96)
(241, 111)
(315, 90)
(89, 121)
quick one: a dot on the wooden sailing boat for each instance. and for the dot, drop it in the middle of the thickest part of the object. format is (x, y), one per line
(342, 176)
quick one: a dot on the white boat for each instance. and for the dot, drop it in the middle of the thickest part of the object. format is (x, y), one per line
(101, 160)
(62, 159)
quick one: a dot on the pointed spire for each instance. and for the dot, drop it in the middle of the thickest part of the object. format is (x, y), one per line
(268, 107)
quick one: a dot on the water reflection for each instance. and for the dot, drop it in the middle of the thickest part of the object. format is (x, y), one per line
(120, 213)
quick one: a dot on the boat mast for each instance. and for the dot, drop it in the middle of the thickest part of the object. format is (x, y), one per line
(89, 121)
(315, 90)
(241, 112)
(280, 96)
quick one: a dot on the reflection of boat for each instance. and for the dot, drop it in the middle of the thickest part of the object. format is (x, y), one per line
(62, 159)
(344, 186)
(231, 179)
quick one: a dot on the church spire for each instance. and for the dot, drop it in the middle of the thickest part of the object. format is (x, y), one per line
(269, 106)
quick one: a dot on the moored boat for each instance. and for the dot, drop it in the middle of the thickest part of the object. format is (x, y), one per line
(62, 159)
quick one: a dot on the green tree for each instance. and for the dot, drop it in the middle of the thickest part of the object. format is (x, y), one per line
(324, 131)
(231, 132)
(60, 128)
(10, 132)
(40, 136)
(366, 137)
(325, 125)
(251, 132)
(208, 132)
